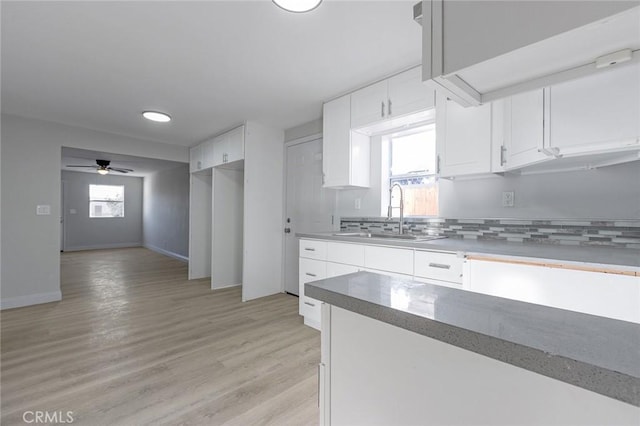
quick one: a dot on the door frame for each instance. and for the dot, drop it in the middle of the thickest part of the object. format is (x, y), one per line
(288, 144)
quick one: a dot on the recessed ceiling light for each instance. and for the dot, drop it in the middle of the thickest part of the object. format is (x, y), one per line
(160, 117)
(298, 6)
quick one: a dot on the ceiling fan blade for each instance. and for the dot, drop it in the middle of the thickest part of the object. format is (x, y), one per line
(91, 167)
(118, 169)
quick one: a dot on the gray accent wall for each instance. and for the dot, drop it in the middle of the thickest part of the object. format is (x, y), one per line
(166, 212)
(82, 232)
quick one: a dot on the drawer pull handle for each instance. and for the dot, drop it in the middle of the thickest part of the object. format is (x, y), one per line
(310, 304)
(310, 274)
(309, 249)
(439, 265)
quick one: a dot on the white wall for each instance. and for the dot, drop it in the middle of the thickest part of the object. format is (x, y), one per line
(30, 169)
(85, 233)
(306, 129)
(166, 212)
(227, 227)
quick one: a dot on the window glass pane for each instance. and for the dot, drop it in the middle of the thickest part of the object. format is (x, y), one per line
(106, 200)
(106, 192)
(414, 153)
(412, 165)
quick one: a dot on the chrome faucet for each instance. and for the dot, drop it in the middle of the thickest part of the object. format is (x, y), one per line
(401, 207)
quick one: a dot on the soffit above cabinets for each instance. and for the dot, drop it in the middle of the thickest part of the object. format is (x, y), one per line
(495, 54)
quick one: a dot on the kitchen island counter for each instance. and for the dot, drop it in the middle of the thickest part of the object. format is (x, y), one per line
(587, 351)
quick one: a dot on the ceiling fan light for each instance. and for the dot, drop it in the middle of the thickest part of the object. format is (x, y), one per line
(156, 116)
(103, 171)
(298, 6)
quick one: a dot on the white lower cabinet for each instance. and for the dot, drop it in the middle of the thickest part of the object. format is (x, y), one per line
(439, 266)
(310, 270)
(603, 294)
(326, 259)
(389, 259)
(337, 269)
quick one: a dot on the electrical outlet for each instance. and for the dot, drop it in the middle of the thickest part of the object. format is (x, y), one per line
(358, 204)
(507, 199)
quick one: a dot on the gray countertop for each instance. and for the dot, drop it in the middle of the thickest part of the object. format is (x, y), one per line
(596, 255)
(595, 353)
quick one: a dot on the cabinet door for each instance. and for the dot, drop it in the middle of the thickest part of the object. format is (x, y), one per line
(407, 93)
(219, 149)
(345, 154)
(524, 130)
(463, 138)
(207, 154)
(389, 259)
(596, 113)
(369, 105)
(195, 158)
(235, 145)
(350, 254)
(603, 294)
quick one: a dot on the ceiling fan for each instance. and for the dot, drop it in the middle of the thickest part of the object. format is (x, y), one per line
(102, 166)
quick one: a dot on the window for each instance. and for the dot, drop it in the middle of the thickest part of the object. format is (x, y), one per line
(106, 200)
(412, 165)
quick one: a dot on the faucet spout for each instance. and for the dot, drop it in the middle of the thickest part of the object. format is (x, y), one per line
(401, 207)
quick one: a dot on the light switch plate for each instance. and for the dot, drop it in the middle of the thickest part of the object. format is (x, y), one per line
(358, 203)
(43, 210)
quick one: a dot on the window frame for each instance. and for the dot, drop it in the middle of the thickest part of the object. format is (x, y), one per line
(389, 179)
(100, 200)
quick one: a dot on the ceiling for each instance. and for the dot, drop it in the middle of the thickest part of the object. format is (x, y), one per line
(141, 166)
(210, 64)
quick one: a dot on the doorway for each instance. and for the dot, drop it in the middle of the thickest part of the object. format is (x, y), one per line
(308, 206)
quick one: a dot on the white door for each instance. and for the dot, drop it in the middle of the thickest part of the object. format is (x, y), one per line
(309, 206)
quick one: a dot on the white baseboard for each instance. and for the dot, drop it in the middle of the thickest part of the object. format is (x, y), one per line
(32, 299)
(104, 246)
(226, 286)
(167, 253)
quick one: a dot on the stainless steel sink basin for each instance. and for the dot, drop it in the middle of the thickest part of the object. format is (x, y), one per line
(389, 236)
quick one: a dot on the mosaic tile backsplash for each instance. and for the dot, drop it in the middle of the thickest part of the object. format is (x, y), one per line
(614, 233)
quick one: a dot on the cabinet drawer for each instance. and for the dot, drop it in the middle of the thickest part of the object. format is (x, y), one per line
(311, 270)
(389, 259)
(313, 249)
(350, 254)
(439, 266)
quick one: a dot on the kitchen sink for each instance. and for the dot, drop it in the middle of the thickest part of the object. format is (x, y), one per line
(389, 236)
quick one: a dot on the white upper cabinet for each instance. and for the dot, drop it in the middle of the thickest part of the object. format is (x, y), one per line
(397, 96)
(524, 133)
(345, 154)
(229, 147)
(463, 138)
(599, 113)
(479, 51)
(369, 105)
(223, 150)
(408, 94)
(195, 158)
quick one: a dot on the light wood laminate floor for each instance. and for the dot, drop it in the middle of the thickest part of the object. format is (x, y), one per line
(133, 342)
